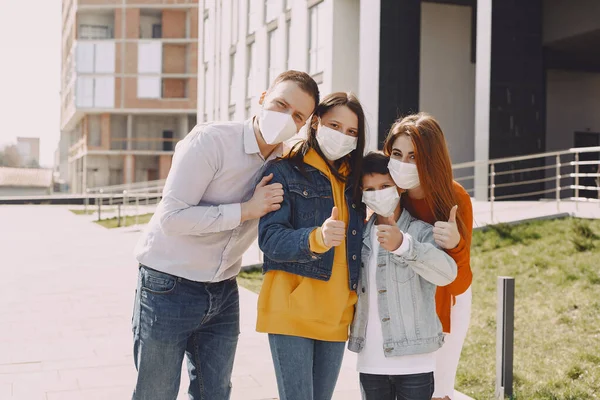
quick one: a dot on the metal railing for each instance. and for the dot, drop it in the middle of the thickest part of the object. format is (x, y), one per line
(125, 198)
(555, 175)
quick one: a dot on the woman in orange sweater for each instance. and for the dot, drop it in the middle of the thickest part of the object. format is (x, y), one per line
(420, 163)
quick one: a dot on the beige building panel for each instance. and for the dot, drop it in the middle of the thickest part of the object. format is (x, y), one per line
(131, 58)
(193, 24)
(193, 58)
(118, 24)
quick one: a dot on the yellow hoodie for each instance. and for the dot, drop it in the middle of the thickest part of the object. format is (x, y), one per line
(293, 305)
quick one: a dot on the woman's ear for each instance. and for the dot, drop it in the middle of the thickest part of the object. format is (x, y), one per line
(314, 123)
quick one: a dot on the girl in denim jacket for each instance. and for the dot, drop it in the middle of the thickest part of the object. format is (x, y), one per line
(396, 330)
(312, 248)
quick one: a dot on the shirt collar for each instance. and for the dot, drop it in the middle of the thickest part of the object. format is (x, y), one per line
(251, 144)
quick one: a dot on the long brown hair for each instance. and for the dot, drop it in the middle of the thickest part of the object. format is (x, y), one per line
(433, 162)
(354, 159)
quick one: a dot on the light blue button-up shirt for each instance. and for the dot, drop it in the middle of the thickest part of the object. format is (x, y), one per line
(196, 232)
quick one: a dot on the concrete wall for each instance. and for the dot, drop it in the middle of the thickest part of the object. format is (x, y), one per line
(563, 19)
(23, 191)
(447, 75)
(368, 92)
(345, 50)
(573, 104)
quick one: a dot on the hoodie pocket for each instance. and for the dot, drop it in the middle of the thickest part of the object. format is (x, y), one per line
(311, 300)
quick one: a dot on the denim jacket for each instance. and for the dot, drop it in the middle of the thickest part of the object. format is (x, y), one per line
(406, 285)
(283, 235)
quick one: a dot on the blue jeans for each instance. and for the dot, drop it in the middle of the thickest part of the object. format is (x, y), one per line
(172, 317)
(306, 369)
(397, 387)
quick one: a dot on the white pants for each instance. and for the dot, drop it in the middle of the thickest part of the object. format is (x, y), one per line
(448, 355)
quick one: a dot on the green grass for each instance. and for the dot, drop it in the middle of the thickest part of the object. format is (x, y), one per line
(556, 266)
(83, 212)
(557, 310)
(129, 221)
(251, 278)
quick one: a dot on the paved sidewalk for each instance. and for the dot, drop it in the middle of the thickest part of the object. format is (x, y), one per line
(65, 308)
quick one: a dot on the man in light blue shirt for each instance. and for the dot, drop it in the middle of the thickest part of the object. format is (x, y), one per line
(187, 299)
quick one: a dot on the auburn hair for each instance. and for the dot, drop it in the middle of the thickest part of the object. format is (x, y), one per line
(433, 162)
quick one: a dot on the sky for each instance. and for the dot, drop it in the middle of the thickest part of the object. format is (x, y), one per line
(30, 47)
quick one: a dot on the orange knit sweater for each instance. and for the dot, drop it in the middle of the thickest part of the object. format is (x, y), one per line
(444, 297)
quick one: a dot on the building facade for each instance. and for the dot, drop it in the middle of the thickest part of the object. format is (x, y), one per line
(128, 88)
(29, 151)
(503, 77)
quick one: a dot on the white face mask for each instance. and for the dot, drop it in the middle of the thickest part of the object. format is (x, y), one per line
(383, 202)
(276, 127)
(405, 175)
(334, 144)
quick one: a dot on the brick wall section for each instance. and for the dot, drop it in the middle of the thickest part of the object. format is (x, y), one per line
(146, 2)
(132, 23)
(173, 24)
(194, 23)
(164, 165)
(174, 59)
(174, 88)
(98, 2)
(193, 58)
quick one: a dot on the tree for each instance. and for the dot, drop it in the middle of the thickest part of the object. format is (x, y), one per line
(10, 157)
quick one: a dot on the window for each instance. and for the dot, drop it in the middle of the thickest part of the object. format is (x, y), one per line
(272, 64)
(95, 32)
(249, 69)
(232, 88)
(316, 51)
(288, 38)
(252, 16)
(272, 10)
(235, 20)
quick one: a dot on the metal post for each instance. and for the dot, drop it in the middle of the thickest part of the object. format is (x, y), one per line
(558, 182)
(492, 190)
(99, 199)
(86, 201)
(577, 181)
(124, 212)
(137, 208)
(505, 326)
(118, 215)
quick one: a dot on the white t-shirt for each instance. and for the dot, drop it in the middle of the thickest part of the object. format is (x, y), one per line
(371, 360)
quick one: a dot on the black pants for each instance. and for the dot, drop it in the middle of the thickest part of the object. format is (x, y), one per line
(397, 387)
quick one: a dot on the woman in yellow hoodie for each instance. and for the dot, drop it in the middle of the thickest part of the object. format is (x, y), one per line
(312, 248)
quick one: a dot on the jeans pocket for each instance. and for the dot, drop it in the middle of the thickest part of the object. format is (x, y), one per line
(158, 282)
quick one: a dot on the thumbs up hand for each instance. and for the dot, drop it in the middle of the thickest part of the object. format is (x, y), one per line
(333, 230)
(446, 234)
(389, 236)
